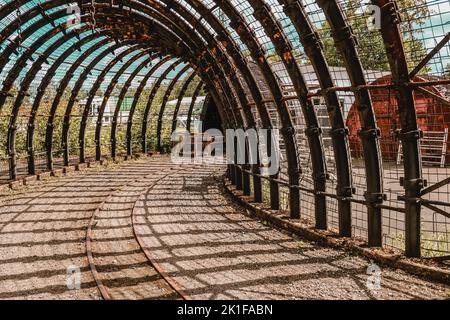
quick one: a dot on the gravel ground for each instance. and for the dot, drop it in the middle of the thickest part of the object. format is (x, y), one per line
(214, 251)
(43, 232)
(195, 233)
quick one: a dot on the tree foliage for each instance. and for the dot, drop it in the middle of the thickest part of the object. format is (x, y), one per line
(371, 49)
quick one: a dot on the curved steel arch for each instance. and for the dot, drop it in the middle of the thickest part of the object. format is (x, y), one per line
(23, 91)
(191, 107)
(148, 106)
(220, 63)
(412, 181)
(82, 134)
(76, 89)
(339, 132)
(369, 133)
(194, 45)
(107, 94)
(183, 90)
(122, 94)
(59, 92)
(136, 99)
(164, 102)
(239, 25)
(40, 93)
(313, 130)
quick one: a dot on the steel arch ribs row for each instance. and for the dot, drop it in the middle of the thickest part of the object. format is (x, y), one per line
(147, 30)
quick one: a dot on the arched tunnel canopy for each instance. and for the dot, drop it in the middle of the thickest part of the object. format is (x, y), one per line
(103, 78)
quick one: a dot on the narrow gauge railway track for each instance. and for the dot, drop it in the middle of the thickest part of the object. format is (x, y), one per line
(120, 263)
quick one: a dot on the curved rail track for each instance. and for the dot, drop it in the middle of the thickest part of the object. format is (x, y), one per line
(104, 289)
(165, 231)
(141, 290)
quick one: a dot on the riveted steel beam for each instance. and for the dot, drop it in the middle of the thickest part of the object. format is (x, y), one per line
(163, 105)
(413, 181)
(22, 60)
(153, 93)
(107, 94)
(74, 94)
(287, 131)
(191, 107)
(339, 133)
(95, 87)
(24, 87)
(59, 93)
(231, 47)
(182, 30)
(41, 91)
(122, 94)
(180, 99)
(313, 131)
(345, 42)
(136, 99)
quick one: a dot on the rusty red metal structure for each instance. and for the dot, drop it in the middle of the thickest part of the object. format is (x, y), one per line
(298, 66)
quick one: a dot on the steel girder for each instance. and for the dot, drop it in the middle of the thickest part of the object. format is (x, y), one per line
(339, 137)
(122, 94)
(40, 93)
(155, 89)
(182, 93)
(313, 131)
(369, 133)
(23, 91)
(136, 99)
(248, 37)
(59, 93)
(412, 181)
(163, 105)
(191, 107)
(109, 91)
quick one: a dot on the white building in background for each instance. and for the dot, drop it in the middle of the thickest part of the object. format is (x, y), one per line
(196, 124)
(109, 109)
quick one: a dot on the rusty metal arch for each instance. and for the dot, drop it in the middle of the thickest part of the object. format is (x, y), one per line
(219, 62)
(122, 94)
(155, 89)
(191, 107)
(107, 94)
(183, 90)
(14, 72)
(287, 131)
(209, 66)
(313, 131)
(231, 47)
(203, 68)
(194, 45)
(12, 75)
(241, 95)
(314, 50)
(135, 101)
(60, 91)
(185, 12)
(413, 181)
(36, 66)
(76, 89)
(40, 93)
(369, 133)
(118, 58)
(163, 105)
